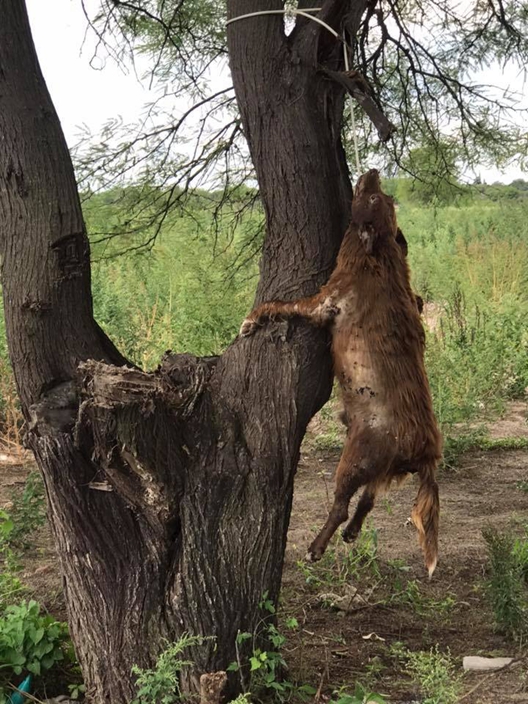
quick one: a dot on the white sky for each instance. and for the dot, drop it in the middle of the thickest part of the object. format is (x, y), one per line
(84, 89)
(90, 91)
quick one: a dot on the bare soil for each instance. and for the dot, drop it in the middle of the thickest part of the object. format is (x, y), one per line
(351, 612)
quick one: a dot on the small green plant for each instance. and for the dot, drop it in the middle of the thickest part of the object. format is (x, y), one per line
(329, 441)
(10, 587)
(242, 699)
(266, 668)
(522, 486)
(411, 594)
(29, 643)
(372, 672)
(456, 445)
(342, 564)
(76, 690)
(16, 525)
(433, 671)
(28, 512)
(262, 670)
(161, 684)
(360, 695)
(508, 567)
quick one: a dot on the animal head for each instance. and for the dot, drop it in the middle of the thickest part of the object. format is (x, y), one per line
(373, 212)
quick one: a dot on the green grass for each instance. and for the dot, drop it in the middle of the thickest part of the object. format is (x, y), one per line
(433, 671)
(192, 290)
(456, 445)
(507, 577)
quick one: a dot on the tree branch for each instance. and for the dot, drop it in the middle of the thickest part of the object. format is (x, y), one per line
(356, 85)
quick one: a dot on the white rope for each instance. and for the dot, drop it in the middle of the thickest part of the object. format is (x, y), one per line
(352, 117)
(304, 13)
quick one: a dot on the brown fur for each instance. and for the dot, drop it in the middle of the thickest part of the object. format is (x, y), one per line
(378, 350)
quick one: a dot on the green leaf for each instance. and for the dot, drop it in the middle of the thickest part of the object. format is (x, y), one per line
(34, 667)
(241, 637)
(255, 663)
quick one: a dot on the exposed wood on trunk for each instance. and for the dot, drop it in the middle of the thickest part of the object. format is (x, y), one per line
(211, 687)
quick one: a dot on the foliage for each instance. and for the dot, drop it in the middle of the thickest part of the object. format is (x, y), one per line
(476, 439)
(261, 672)
(188, 295)
(76, 691)
(160, 685)
(29, 643)
(410, 593)
(506, 583)
(433, 671)
(435, 174)
(10, 586)
(191, 291)
(27, 513)
(342, 564)
(433, 91)
(10, 414)
(359, 696)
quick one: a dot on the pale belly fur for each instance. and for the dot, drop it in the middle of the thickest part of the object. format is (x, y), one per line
(363, 392)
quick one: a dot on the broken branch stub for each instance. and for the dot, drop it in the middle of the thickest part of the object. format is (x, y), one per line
(178, 382)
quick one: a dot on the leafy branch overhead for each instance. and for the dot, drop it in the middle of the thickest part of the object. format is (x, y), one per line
(423, 73)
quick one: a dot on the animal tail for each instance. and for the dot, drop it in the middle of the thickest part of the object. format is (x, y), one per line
(425, 515)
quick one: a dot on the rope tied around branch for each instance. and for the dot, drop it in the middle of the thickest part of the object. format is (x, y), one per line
(306, 13)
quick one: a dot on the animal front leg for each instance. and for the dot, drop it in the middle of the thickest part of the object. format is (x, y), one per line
(319, 310)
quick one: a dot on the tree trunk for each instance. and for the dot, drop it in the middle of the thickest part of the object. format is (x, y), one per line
(169, 493)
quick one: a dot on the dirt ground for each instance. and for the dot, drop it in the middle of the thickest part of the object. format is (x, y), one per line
(352, 611)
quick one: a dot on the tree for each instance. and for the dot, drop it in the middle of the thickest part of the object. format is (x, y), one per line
(169, 492)
(435, 170)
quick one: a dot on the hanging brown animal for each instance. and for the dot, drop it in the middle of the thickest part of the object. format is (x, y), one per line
(378, 351)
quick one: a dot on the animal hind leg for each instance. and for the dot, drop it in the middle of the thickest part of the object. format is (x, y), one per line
(364, 507)
(338, 514)
(363, 458)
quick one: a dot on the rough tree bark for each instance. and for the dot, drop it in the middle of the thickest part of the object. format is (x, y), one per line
(169, 492)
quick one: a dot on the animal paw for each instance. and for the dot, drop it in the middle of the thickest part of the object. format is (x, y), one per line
(349, 536)
(314, 554)
(331, 311)
(247, 328)
(326, 311)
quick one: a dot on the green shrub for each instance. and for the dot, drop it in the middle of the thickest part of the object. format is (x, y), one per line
(506, 587)
(433, 671)
(27, 513)
(360, 695)
(161, 684)
(29, 643)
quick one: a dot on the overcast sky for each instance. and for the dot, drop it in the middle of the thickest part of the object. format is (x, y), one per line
(88, 90)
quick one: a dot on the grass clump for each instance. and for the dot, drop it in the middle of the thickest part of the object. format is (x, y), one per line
(506, 583)
(161, 684)
(433, 671)
(342, 564)
(477, 439)
(30, 643)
